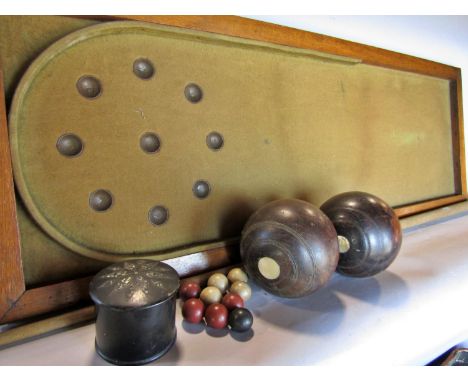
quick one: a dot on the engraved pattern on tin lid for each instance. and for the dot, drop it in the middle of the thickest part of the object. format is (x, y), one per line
(134, 284)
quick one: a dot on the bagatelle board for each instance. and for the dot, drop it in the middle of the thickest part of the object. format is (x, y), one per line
(144, 140)
(134, 139)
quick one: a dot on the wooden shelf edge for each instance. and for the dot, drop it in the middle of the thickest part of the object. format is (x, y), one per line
(47, 326)
(41, 300)
(405, 211)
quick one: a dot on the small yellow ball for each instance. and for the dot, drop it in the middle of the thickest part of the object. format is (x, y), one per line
(210, 295)
(237, 274)
(219, 281)
(242, 289)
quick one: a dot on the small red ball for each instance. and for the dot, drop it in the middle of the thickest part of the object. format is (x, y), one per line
(232, 301)
(216, 316)
(192, 310)
(189, 290)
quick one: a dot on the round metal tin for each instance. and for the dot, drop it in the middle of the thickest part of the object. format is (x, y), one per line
(135, 304)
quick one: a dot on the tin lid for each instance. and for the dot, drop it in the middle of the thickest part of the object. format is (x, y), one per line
(134, 284)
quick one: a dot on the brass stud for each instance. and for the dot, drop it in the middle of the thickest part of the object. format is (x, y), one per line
(201, 189)
(214, 140)
(89, 86)
(69, 145)
(143, 68)
(100, 200)
(150, 143)
(193, 93)
(158, 215)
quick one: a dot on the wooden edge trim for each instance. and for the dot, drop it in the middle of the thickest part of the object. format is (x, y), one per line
(405, 211)
(461, 134)
(46, 326)
(46, 299)
(62, 295)
(258, 30)
(11, 268)
(458, 147)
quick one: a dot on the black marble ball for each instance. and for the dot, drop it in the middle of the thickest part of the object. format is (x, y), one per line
(240, 320)
(369, 232)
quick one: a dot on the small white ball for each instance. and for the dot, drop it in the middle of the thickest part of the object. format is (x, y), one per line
(219, 281)
(237, 274)
(210, 295)
(242, 289)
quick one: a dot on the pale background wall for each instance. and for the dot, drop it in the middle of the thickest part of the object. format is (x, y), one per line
(438, 38)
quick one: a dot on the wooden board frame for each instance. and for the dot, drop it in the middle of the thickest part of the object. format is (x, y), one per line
(17, 302)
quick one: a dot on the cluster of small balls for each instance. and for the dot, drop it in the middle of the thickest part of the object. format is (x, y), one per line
(219, 304)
